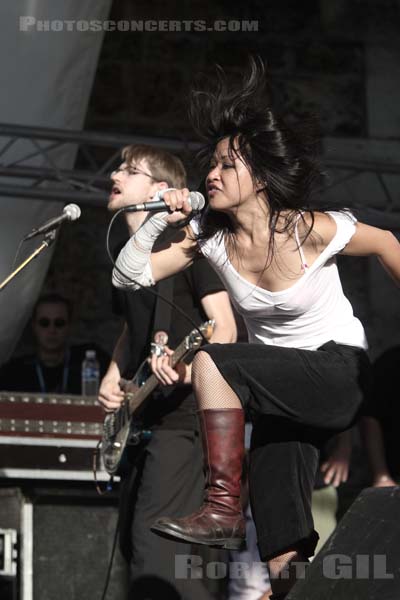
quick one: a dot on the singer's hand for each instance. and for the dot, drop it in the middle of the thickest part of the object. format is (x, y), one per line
(177, 200)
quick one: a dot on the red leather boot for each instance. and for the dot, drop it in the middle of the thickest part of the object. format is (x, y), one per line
(220, 521)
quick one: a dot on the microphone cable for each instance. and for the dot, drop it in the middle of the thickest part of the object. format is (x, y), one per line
(111, 559)
(183, 314)
(149, 289)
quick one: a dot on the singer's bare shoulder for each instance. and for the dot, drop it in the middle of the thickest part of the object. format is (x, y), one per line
(174, 255)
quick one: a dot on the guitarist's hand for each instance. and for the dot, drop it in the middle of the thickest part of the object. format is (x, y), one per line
(167, 375)
(110, 394)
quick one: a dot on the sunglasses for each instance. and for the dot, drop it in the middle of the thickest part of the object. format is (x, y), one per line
(58, 323)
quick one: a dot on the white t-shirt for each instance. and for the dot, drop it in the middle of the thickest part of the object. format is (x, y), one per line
(313, 311)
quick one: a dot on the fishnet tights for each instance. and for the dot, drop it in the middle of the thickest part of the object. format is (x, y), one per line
(211, 389)
(213, 392)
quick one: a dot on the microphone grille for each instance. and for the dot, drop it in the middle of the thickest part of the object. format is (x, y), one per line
(197, 200)
(72, 211)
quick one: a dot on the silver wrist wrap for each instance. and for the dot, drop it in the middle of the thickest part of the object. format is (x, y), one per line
(132, 267)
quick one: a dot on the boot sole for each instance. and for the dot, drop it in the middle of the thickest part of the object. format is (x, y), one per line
(228, 544)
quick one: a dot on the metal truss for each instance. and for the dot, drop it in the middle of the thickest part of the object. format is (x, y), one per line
(97, 155)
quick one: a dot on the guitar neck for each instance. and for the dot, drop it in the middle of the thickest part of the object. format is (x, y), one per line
(152, 382)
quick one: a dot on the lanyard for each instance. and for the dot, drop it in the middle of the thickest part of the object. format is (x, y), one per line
(40, 376)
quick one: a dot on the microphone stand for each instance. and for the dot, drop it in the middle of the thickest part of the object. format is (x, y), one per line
(48, 240)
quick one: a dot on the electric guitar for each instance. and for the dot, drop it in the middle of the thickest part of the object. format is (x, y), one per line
(120, 428)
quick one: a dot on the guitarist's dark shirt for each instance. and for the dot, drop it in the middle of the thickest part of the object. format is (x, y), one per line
(173, 408)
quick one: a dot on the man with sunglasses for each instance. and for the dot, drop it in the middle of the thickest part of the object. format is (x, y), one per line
(55, 367)
(168, 471)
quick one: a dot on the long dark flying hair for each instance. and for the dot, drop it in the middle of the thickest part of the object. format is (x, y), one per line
(281, 159)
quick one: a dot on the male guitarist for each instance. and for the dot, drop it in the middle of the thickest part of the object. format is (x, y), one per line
(167, 475)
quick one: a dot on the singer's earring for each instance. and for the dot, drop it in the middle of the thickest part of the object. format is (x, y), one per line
(261, 187)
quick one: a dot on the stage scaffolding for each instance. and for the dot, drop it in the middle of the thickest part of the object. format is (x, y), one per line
(98, 153)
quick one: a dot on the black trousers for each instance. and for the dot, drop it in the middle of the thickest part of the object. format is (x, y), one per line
(297, 399)
(166, 480)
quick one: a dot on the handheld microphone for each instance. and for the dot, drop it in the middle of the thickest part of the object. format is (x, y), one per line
(71, 212)
(196, 201)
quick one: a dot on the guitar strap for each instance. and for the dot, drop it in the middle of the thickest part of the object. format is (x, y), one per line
(163, 310)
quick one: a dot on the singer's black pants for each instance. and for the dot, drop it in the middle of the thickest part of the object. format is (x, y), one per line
(297, 400)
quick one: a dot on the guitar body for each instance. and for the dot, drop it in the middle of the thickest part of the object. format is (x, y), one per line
(113, 445)
(123, 426)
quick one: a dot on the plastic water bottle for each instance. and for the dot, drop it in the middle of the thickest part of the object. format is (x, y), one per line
(90, 374)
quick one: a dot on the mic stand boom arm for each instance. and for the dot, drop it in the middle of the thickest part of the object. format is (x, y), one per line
(48, 240)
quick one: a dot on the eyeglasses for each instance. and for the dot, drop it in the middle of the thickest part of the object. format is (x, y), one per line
(131, 171)
(58, 323)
